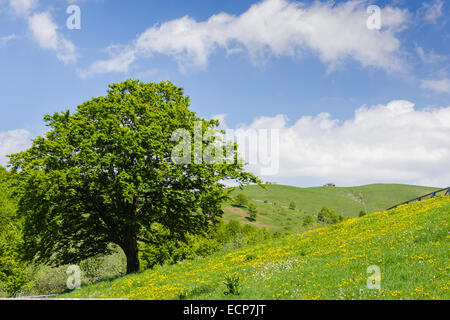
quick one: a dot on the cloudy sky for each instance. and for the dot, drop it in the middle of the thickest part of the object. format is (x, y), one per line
(353, 103)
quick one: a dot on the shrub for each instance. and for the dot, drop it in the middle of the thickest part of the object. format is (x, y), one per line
(45, 279)
(292, 205)
(232, 285)
(12, 268)
(329, 216)
(200, 246)
(252, 210)
(171, 250)
(307, 220)
(362, 213)
(241, 199)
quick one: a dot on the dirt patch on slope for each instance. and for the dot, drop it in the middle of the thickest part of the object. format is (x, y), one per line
(244, 214)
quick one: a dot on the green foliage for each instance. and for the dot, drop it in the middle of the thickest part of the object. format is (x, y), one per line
(44, 279)
(362, 213)
(164, 249)
(252, 210)
(8, 206)
(329, 216)
(12, 269)
(292, 205)
(105, 174)
(223, 236)
(307, 220)
(232, 284)
(241, 199)
(240, 235)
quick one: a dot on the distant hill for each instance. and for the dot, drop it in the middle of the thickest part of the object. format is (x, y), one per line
(344, 200)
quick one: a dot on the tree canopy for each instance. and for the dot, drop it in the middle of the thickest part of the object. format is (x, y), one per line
(104, 174)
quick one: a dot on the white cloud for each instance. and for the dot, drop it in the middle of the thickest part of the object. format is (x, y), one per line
(120, 61)
(383, 143)
(429, 57)
(277, 28)
(46, 34)
(431, 12)
(5, 39)
(442, 85)
(13, 141)
(22, 8)
(44, 30)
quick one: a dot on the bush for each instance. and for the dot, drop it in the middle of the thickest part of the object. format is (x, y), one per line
(232, 285)
(241, 199)
(45, 279)
(362, 213)
(329, 216)
(12, 269)
(292, 205)
(307, 220)
(166, 249)
(252, 211)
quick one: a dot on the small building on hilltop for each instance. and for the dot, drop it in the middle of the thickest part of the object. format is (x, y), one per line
(330, 184)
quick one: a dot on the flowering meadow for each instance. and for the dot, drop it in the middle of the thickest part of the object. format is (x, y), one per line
(409, 245)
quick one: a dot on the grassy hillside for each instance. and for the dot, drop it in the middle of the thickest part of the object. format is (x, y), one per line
(345, 201)
(409, 244)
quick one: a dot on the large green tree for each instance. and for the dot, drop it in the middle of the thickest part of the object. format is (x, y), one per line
(105, 173)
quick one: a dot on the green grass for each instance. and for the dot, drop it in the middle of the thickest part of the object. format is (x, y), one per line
(345, 201)
(409, 245)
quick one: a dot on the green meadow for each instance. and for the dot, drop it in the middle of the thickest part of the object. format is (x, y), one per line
(409, 246)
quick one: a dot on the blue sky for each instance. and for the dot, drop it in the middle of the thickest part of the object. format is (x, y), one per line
(285, 62)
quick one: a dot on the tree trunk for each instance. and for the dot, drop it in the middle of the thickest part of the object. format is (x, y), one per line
(130, 249)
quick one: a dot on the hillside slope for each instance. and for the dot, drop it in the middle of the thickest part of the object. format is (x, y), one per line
(409, 245)
(345, 201)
